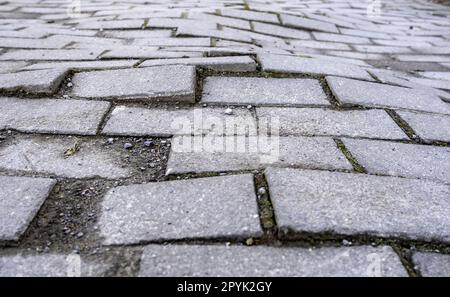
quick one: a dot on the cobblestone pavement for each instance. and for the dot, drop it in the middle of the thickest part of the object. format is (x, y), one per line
(348, 103)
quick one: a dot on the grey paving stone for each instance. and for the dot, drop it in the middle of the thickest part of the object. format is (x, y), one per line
(358, 204)
(354, 92)
(166, 123)
(364, 33)
(6, 67)
(423, 58)
(265, 261)
(213, 207)
(176, 83)
(51, 55)
(20, 200)
(429, 127)
(221, 20)
(250, 15)
(280, 31)
(129, 34)
(436, 75)
(289, 64)
(263, 91)
(432, 264)
(31, 43)
(144, 52)
(115, 24)
(83, 65)
(231, 64)
(219, 154)
(49, 265)
(305, 23)
(320, 44)
(52, 115)
(399, 159)
(46, 155)
(173, 42)
(38, 81)
(380, 49)
(326, 122)
(235, 35)
(340, 38)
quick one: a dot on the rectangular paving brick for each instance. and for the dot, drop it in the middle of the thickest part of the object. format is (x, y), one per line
(213, 207)
(263, 91)
(236, 63)
(46, 155)
(354, 92)
(290, 64)
(432, 264)
(429, 127)
(173, 42)
(144, 52)
(280, 31)
(11, 66)
(83, 65)
(176, 83)
(218, 154)
(327, 122)
(52, 115)
(243, 261)
(305, 23)
(166, 123)
(52, 55)
(357, 204)
(250, 15)
(341, 38)
(20, 200)
(49, 265)
(37, 82)
(400, 159)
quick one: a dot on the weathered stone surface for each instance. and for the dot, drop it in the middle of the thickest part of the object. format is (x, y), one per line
(83, 65)
(166, 123)
(217, 154)
(47, 155)
(173, 42)
(49, 265)
(11, 66)
(52, 55)
(20, 200)
(399, 159)
(250, 15)
(327, 122)
(144, 52)
(280, 31)
(279, 63)
(429, 127)
(213, 207)
(263, 91)
(242, 261)
(304, 23)
(432, 264)
(176, 83)
(237, 63)
(39, 81)
(355, 204)
(354, 92)
(341, 38)
(52, 115)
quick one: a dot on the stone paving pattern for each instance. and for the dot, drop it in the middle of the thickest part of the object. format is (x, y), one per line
(97, 105)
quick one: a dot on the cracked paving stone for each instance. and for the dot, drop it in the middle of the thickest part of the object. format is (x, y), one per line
(429, 127)
(54, 116)
(432, 264)
(219, 154)
(263, 91)
(266, 261)
(175, 83)
(354, 92)
(357, 204)
(400, 159)
(213, 207)
(291, 64)
(49, 265)
(37, 82)
(326, 122)
(20, 200)
(132, 121)
(46, 155)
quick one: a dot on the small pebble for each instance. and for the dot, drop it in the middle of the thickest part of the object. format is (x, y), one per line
(228, 111)
(262, 191)
(110, 140)
(148, 143)
(346, 243)
(127, 146)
